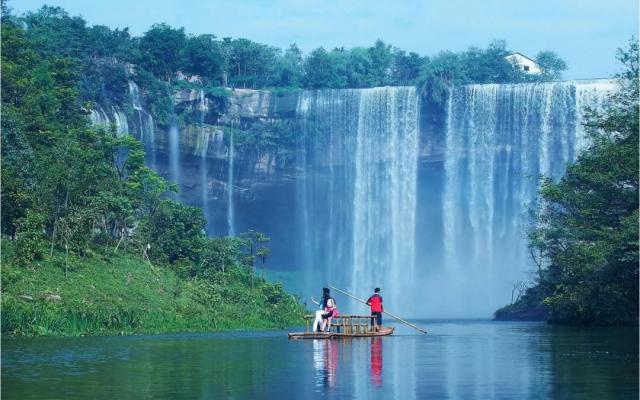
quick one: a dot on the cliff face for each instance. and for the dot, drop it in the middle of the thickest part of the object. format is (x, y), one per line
(205, 140)
(259, 162)
(235, 156)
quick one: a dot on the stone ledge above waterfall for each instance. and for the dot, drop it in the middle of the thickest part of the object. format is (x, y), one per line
(321, 116)
(240, 104)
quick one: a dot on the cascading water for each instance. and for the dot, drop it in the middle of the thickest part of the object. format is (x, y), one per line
(145, 124)
(358, 190)
(98, 117)
(384, 204)
(134, 94)
(230, 205)
(121, 122)
(500, 139)
(204, 181)
(174, 153)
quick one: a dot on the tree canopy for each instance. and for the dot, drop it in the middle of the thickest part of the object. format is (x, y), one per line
(239, 62)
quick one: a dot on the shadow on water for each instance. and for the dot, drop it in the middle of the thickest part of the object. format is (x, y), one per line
(457, 360)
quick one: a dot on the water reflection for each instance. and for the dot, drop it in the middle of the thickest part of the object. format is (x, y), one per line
(325, 362)
(457, 360)
(376, 362)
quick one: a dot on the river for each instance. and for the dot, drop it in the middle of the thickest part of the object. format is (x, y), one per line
(458, 359)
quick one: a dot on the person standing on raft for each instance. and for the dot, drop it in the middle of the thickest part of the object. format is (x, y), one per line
(375, 302)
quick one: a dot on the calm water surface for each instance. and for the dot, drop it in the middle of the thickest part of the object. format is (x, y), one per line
(457, 360)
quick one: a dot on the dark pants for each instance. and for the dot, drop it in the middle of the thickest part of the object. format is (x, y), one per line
(378, 316)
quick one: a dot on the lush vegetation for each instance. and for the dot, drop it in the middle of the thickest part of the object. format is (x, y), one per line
(585, 234)
(106, 58)
(80, 209)
(122, 294)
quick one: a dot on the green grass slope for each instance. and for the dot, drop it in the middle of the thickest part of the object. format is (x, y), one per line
(124, 295)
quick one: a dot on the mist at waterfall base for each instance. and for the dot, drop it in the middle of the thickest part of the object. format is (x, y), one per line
(388, 190)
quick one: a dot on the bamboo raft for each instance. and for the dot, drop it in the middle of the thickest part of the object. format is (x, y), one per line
(343, 326)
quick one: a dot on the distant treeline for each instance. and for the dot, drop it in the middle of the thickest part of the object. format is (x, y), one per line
(162, 51)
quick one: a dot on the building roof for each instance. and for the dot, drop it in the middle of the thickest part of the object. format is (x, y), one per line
(521, 55)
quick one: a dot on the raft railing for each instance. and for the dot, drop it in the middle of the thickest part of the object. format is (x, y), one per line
(346, 324)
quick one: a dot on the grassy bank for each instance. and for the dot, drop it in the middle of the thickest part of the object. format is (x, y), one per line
(124, 295)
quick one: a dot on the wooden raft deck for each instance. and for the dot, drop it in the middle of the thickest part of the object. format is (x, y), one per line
(343, 326)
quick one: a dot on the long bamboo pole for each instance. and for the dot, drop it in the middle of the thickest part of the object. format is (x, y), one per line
(384, 312)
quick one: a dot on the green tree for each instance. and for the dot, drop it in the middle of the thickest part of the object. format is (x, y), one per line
(175, 232)
(219, 254)
(326, 70)
(102, 42)
(162, 50)
(250, 64)
(406, 67)
(440, 73)
(585, 234)
(203, 56)
(552, 65)
(381, 61)
(358, 68)
(290, 68)
(55, 33)
(251, 241)
(489, 65)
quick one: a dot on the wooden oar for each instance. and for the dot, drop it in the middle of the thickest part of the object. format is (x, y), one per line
(384, 312)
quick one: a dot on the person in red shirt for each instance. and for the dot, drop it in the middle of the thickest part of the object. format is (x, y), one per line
(375, 302)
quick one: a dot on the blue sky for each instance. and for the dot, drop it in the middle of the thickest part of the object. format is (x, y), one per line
(586, 33)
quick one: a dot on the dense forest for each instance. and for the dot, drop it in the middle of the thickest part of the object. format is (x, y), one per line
(584, 234)
(105, 59)
(91, 241)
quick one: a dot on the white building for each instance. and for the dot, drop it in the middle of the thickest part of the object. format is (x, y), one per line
(524, 63)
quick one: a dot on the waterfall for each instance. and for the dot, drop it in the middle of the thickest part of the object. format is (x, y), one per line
(121, 123)
(230, 205)
(146, 125)
(149, 142)
(174, 153)
(204, 182)
(134, 95)
(99, 118)
(302, 201)
(499, 139)
(384, 204)
(358, 188)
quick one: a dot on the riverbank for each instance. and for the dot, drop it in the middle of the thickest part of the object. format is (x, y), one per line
(121, 294)
(528, 307)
